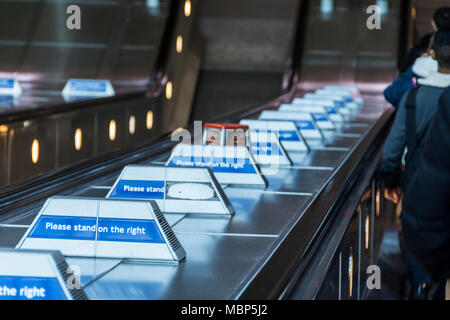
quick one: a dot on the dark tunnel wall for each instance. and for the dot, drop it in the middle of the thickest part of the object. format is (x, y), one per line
(248, 47)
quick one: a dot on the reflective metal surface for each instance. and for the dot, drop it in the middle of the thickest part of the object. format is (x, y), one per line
(117, 40)
(251, 254)
(222, 254)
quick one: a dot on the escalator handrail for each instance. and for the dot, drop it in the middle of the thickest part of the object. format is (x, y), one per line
(157, 77)
(292, 75)
(294, 246)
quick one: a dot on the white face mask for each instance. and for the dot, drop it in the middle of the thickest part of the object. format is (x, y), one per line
(423, 66)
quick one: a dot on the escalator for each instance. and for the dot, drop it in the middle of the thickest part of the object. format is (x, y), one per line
(298, 238)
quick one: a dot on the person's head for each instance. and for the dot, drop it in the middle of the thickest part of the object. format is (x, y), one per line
(441, 19)
(441, 50)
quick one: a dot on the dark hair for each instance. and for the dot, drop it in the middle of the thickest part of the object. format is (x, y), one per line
(441, 18)
(441, 48)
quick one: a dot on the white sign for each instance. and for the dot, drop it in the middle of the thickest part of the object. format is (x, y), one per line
(267, 149)
(175, 189)
(304, 121)
(332, 113)
(103, 228)
(87, 88)
(231, 165)
(290, 137)
(36, 275)
(321, 115)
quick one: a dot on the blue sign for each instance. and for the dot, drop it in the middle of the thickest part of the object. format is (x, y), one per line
(219, 165)
(30, 288)
(331, 110)
(88, 85)
(339, 103)
(305, 125)
(138, 189)
(128, 230)
(288, 135)
(85, 228)
(63, 227)
(6, 83)
(320, 117)
(6, 100)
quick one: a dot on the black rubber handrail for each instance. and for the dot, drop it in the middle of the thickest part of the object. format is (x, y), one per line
(292, 76)
(162, 60)
(310, 274)
(293, 249)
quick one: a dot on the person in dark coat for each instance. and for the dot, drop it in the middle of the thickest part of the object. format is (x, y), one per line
(426, 103)
(426, 206)
(395, 177)
(419, 63)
